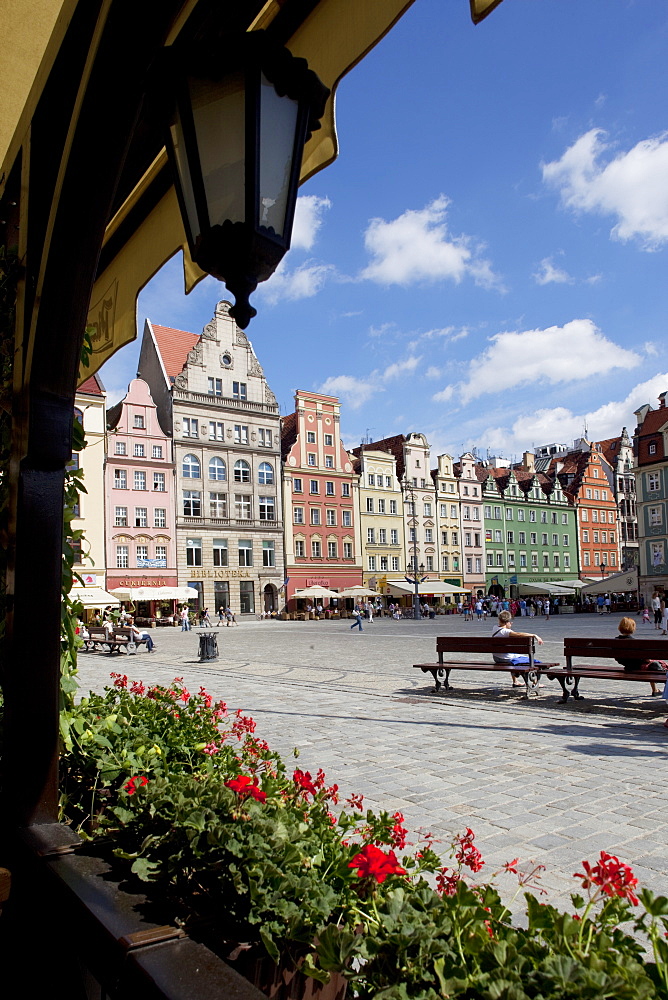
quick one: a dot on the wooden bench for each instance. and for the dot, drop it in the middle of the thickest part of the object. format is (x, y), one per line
(115, 640)
(607, 649)
(517, 646)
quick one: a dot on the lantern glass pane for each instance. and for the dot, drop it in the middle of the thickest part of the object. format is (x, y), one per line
(278, 122)
(219, 117)
(183, 168)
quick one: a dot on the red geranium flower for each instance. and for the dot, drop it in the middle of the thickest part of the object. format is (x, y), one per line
(302, 779)
(611, 876)
(245, 786)
(373, 863)
(447, 881)
(467, 853)
(138, 781)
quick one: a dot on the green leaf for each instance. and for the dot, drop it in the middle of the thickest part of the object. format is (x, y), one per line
(145, 869)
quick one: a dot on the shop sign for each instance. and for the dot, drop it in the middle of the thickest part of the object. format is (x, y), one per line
(142, 581)
(89, 579)
(217, 574)
(151, 564)
(317, 581)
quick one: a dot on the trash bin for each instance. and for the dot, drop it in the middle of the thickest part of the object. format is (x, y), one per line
(208, 646)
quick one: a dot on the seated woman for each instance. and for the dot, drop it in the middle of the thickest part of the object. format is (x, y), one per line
(626, 628)
(504, 630)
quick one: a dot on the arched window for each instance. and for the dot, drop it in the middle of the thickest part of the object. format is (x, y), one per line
(241, 471)
(217, 469)
(191, 467)
(265, 474)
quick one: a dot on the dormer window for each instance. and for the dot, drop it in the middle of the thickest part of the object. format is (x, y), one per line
(652, 449)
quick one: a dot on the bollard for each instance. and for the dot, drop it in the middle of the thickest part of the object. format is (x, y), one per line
(208, 646)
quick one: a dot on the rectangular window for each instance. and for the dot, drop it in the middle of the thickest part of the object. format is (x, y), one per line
(331, 518)
(240, 434)
(585, 534)
(298, 515)
(310, 437)
(509, 513)
(121, 517)
(239, 390)
(478, 562)
(345, 489)
(497, 536)
(532, 515)
(297, 485)
(217, 505)
(329, 489)
(347, 550)
(245, 552)
(497, 512)
(522, 537)
(369, 505)
(316, 550)
(193, 551)
(428, 535)
(427, 510)
(445, 563)
(520, 515)
(242, 506)
(585, 557)
(584, 515)
(546, 561)
(120, 479)
(467, 513)
(300, 551)
(139, 421)
(372, 563)
(567, 561)
(311, 458)
(157, 451)
(430, 564)
(543, 538)
(192, 503)
(612, 538)
(140, 480)
(370, 536)
(388, 482)
(161, 554)
(523, 560)
(371, 480)
(158, 482)
(139, 451)
(215, 387)
(652, 480)
(331, 550)
(220, 552)
(393, 506)
(613, 558)
(267, 508)
(347, 518)
(412, 537)
(534, 560)
(142, 555)
(604, 537)
(268, 554)
(329, 440)
(510, 537)
(216, 430)
(487, 510)
(588, 494)
(314, 486)
(383, 564)
(511, 558)
(564, 518)
(381, 506)
(566, 542)
(532, 537)
(543, 517)
(315, 515)
(455, 538)
(329, 462)
(555, 560)
(141, 517)
(394, 536)
(190, 427)
(121, 557)
(555, 539)
(120, 448)
(395, 564)
(382, 536)
(594, 515)
(160, 517)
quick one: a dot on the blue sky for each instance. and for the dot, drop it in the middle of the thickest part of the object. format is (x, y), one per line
(486, 260)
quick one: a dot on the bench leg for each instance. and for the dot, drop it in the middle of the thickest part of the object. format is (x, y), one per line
(532, 682)
(569, 686)
(441, 678)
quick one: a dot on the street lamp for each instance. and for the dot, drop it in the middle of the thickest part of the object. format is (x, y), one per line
(408, 490)
(238, 122)
(603, 568)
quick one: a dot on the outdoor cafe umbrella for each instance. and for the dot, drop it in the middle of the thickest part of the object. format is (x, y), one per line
(314, 592)
(358, 591)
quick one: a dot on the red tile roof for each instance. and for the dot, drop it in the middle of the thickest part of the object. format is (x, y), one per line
(288, 433)
(173, 346)
(92, 386)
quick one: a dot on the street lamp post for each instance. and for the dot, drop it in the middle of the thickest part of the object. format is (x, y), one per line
(603, 568)
(415, 578)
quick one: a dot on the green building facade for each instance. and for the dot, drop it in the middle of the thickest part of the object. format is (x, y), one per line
(529, 528)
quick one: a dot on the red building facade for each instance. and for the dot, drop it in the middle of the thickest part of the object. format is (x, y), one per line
(320, 498)
(585, 480)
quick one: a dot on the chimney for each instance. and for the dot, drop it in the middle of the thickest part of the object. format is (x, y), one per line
(662, 399)
(528, 461)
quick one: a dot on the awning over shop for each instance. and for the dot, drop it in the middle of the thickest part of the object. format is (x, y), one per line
(155, 593)
(617, 583)
(93, 597)
(545, 588)
(435, 587)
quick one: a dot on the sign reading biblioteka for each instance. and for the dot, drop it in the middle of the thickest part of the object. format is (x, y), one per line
(218, 574)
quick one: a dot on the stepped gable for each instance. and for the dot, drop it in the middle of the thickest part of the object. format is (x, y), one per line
(92, 386)
(395, 446)
(288, 433)
(173, 346)
(525, 478)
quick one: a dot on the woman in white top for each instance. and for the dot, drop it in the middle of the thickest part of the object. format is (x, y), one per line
(504, 630)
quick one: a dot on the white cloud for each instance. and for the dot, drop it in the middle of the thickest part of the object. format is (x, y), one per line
(303, 282)
(632, 186)
(433, 372)
(650, 349)
(416, 247)
(308, 220)
(445, 395)
(398, 368)
(575, 351)
(355, 392)
(561, 424)
(549, 273)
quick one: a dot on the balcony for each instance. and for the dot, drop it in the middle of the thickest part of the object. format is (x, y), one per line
(224, 402)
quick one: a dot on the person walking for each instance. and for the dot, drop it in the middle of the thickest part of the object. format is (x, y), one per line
(221, 616)
(185, 623)
(206, 620)
(656, 609)
(229, 617)
(369, 611)
(357, 615)
(546, 608)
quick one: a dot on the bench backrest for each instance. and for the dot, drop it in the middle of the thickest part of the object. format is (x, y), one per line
(635, 649)
(479, 644)
(96, 631)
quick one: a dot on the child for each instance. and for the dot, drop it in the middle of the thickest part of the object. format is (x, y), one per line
(645, 615)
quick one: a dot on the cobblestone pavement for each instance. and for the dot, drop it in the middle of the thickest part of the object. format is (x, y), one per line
(535, 779)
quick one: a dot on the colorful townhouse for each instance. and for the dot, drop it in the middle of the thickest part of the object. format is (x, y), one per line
(530, 528)
(90, 410)
(140, 507)
(211, 390)
(381, 516)
(320, 498)
(471, 527)
(650, 449)
(618, 453)
(448, 521)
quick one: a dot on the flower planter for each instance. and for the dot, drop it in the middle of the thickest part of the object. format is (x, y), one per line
(284, 981)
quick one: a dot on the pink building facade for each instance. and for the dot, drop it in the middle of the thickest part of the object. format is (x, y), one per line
(320, 499)
(139, 488)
